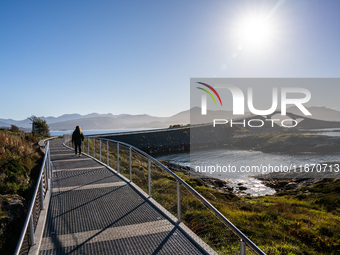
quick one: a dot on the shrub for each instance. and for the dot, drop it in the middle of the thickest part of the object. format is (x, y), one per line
(39, 126)
(14, 128)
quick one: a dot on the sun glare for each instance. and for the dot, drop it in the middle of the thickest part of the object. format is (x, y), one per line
(254, 32)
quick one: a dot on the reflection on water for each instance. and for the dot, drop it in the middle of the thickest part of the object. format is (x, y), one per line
(255, 187)
(323, 131)
(243, 158)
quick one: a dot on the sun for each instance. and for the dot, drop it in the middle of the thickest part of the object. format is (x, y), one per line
(254, 31)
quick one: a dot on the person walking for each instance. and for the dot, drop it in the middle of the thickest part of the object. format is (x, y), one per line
(77, 138)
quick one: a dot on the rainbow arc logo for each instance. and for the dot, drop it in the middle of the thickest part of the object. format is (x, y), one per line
(209, 93)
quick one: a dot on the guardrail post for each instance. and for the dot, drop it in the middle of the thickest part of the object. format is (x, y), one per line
(107, 152)
(47, 174)
(242, 248)
(47, 164)
(94, 147)
(118, 157)
(50, 168)
(100, 150)
(32, 231)
(130, 165)
(149, 176)
(88, 146)
(179, 213)
(42, 192)
(83, 147)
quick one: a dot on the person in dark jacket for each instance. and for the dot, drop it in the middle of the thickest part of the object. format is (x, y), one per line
(77, 138)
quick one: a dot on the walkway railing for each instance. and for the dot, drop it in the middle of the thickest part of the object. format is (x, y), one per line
(37, 204)
(124, 158)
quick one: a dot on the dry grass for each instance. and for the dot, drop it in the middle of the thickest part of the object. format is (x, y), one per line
(20, 163)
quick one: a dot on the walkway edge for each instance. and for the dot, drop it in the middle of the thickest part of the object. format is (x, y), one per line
(39, 231)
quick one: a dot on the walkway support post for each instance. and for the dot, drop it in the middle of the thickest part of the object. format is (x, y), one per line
(107, 152)
(118, 157)
(32, 230)
(130, 164)
(47, 167)
(242, 248)
(94, 147)
(100, 150)
(149, 176)
(42, 192)
(179, 213)
(49, 161)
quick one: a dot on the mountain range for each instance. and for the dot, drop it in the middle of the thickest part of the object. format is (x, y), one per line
(95, 121)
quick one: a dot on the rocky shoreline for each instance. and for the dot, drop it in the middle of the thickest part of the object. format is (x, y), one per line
(279, 141)
(234, 189)
(279, 182)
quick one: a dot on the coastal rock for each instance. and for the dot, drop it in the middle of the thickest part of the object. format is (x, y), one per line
(13, 205)
(13, 209)
(291, 186)
(177, 167)
(228, 188)
(219, 183)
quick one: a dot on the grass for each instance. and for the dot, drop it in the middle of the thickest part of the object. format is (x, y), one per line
(303, 222)
(20, 162)
(19, 154)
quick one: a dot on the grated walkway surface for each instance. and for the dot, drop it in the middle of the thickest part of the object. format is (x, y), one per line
(94, 211)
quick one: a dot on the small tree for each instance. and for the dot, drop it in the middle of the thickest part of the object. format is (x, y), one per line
(14, 128)
(39, 126)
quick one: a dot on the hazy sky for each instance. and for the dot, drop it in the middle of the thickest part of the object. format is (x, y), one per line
(61, 57)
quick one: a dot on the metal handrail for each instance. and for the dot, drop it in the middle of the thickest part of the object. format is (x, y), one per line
(243, 238)
(40, 181)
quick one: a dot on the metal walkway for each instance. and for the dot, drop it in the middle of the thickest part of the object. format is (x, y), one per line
(94, 211)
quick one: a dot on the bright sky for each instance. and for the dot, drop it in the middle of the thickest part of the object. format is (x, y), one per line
(135, 57)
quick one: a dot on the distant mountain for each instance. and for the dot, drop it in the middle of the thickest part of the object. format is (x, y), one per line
(67, 117)
(97, 121)
(64, 117)
(88, 124)
(108, 121)
(4, 124)
(26, 123)
(180, 118)
(142, 118)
